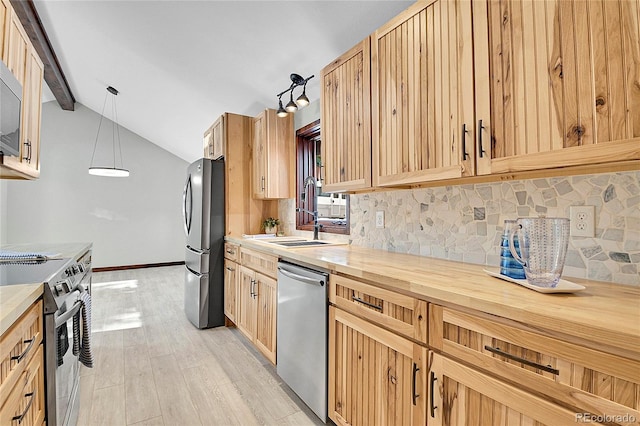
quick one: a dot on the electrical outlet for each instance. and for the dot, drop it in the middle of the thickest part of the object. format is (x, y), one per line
(583, 221)
(380, 219)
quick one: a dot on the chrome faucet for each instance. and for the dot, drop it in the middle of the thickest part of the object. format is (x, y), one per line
(311, 180)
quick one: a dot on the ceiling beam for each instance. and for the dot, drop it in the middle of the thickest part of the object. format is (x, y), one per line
(53, 74)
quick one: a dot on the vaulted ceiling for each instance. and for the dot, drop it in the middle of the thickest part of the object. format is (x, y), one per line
(180, 64)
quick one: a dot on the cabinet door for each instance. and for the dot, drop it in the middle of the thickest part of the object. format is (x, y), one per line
(33, 106)
(26, 401)
(231, 277)
(554, 93)
(375, 376)
(273, 156)
(207, 143)
(17, 47)
(259, 156)
(246, 303)
(267, 305)
(346, 120)
(422, 95)
(585, 378)
(219, 138)
(5, 17)
(461, 396)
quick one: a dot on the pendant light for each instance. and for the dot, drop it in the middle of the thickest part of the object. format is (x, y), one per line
(109, 171)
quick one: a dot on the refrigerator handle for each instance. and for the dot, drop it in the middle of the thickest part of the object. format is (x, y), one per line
(187, 197)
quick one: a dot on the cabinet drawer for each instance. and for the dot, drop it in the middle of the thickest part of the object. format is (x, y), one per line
(231, 251)
(25, 403)
(583, 378)
(17, 347)
(264, 263)
(403, 314)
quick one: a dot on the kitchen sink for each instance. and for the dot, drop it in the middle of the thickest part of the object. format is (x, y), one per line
(299, 243)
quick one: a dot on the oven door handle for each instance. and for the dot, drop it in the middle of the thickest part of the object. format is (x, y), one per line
(69, 314)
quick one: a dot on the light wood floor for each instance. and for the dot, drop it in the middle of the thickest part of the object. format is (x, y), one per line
(152, 367)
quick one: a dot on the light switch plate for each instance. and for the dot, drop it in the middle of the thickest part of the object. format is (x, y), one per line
(380, 219)
(583, 221)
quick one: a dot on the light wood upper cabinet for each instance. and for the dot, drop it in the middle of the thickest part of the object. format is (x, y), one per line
(17, 46)
(557, 83)
(5, 17)
(273, 156)
(25, 64)
(422, 94)
(346, 120)
(214, 140)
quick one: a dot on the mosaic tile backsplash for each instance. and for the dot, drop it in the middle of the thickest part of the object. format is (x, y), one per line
(465, 222)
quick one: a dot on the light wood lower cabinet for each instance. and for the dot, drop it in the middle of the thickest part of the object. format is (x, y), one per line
(401, 314)
(582, 378)
(375, 377)
(460, 396)
(256, 310)
(22, 370)
(231, 277)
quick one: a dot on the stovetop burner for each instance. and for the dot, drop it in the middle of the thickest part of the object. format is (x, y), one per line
(30, 272)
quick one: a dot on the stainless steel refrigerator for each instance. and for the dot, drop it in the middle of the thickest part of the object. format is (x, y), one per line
(203, 213)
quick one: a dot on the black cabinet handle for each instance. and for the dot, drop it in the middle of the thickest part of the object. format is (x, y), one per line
(498, 351)
(432, 404)
(24, 353)
(480, 129)
(357, 299)
(20, 418)
(231, 252)
(230, 269)
(465, 154)
(27, 144)
(262, 183)
(413, 383)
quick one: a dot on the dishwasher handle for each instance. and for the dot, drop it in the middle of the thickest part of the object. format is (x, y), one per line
(301, 278)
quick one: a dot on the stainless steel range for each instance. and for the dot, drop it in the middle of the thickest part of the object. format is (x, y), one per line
(65, 280)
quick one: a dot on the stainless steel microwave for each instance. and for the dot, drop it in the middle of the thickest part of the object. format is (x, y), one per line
(10, 108)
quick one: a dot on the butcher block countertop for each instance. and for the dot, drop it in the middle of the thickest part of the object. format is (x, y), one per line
(604, 314)
(15, 299)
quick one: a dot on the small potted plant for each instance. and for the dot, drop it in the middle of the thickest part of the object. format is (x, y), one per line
(270, 225)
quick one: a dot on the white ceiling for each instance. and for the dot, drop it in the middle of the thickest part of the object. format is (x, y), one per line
(180, 64)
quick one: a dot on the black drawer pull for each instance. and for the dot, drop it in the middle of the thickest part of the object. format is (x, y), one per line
(231, 252)
(20, 418)
(546, 368)
(19, 358)
(230, 269)
(357, 299)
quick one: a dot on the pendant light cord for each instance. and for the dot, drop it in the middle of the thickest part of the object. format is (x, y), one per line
(115, 132)
(95, 145)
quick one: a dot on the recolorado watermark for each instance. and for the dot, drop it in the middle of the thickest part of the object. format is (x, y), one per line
(601, 418)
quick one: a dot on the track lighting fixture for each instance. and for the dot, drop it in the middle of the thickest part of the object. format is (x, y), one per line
(301, 101)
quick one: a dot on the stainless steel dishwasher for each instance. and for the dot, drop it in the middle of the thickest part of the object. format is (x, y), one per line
(302, 327)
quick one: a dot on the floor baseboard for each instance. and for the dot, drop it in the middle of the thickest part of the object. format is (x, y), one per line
(144, 265)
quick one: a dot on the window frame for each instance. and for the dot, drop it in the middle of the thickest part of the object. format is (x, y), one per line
(307, 137)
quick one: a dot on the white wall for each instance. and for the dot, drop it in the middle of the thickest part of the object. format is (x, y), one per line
(134, 220)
